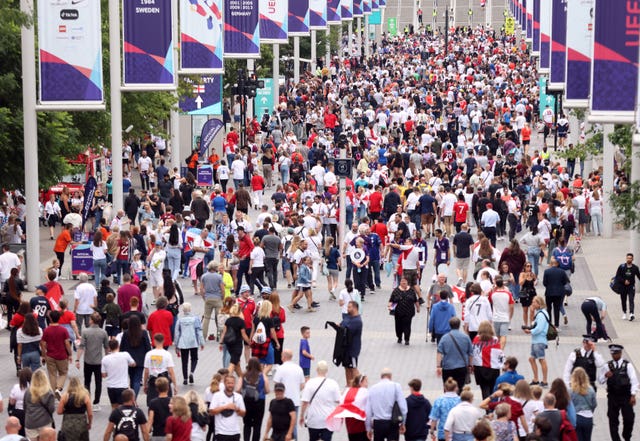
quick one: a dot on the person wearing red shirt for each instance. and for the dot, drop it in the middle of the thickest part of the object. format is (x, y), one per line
(232, 137)
(257, 186)
(55, 292)
(123, 264)
(248, 307)
(381, 230)
(56, 347)
(127, 291)
(460, 210)
(245, 246)
(375, 203)
(330, 120)
(161, 320)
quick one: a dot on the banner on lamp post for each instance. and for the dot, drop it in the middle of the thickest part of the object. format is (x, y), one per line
(298, 18)
(205, 96)
(558, 45)
(318, 15)
(209, 131)
(382, 4)
(357, 8)
(241, 29)
(529, 13)
(346, 10)
(545, 36)
(579, 53)
(375, 6)
(201, 36)
(333, 12)
(274, 24)
(535, 46)
(614, 71)
(70, 55)
(148, 45)
(366, 7)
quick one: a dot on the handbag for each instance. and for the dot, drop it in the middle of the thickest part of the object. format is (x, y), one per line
(467, 377)
(396, 414)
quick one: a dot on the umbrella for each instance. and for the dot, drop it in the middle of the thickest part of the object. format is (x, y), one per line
(74, 219)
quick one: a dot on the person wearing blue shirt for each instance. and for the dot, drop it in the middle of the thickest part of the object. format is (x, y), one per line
(539, 339)
(442, 406)
(374, 261)
(441, 314)
(510, 375)
(382, 397)
(455, 355)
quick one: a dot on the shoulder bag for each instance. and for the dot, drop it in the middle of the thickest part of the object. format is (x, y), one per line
(467, 378)
(311, 400)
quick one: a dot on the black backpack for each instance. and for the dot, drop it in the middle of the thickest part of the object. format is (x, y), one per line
(230, 337)
(128, 424)
(250, 391)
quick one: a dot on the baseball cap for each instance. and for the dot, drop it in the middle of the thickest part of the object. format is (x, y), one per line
(244, 288)
(279, 387)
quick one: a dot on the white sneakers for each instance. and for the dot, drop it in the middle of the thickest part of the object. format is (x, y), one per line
(624, 316)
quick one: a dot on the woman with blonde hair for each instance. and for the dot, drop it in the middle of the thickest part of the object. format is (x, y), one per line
(39, 405)
(263, 332)
(178, 425)
(75, 406)
(523, 393)
(487, 356)
(199, 415)
(583, 397)
(595, 210)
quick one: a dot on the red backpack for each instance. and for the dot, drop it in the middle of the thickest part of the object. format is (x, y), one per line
(567, 431)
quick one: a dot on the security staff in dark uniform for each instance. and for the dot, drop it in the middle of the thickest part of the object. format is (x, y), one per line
(587, 358)
(622, 385)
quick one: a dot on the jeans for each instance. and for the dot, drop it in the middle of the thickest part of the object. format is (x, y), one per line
(31, 360)
(237, 182)
(173, 261)
(185, 354)
(284, 174)
(584, 427)
(271, 268)
(243, 271)
(135, 376)
(349, 216)
(596, 223)
(122, 267)
(99, 270)
(630, 293)
(94, 369)
(591, 314)
(374, 274)
(350, 268)
(533, 257)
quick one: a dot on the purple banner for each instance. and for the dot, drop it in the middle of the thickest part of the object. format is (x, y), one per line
(148, 44)
(333, 12)
(529, 20)
(318, 14)
(298, 18)
(357, 8)
(382, 4)
(536, 27)
(347, 10)
(209, 131)
(274, 26)
(82, 259)
(523, 12)
(241, 29)
(615, 60)
(545, 35)
(366, 7)
(205, 175)
(205, 97)
(375, 6)
(579, 50)
(89, 193)
(558, 44)
(201, 36)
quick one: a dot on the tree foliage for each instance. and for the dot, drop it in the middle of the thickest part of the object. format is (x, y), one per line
(626, 200)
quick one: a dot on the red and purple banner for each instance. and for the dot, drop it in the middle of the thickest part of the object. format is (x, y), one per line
(70, 49)
(333, 12)
(357, 8)
(347, 10)
(545, 36)
(366, 7)
(241, 29)
(615, 61)
(298, 18)
(274, 25)
(382, 4)
(529, 12)
(579, 50)
(523, 15)
(148, 45)
(558, 45)
(318, 15)
(375, 6)
(536, 29)
(201, 36)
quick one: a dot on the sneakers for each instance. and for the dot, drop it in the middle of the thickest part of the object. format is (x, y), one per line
(191, 378)
(184, 382)
(544, 384)
(290, 308)
(297, 306)
(460, 281)
(311, 309)
(631, 317)
(96, 408)
(315, 304)
(58, 394)
(624, 316)
(566, 320)
(332, 296)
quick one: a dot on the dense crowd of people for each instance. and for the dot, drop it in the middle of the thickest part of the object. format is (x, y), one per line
(450, 177)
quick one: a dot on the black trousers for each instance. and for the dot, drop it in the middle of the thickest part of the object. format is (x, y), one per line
(627, 293)
(257, 277)
(97, 373)
(271, 268)
(486, 379)
(360, 279)
(243, 271)
(555, 303)
(458, 374)
(591, 314)
(253, 419)
(385, 430)
(616, 405)
(490, 232)
(185, 354)
(403, 328)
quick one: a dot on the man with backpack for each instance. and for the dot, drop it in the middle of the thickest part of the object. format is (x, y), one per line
(127, 419)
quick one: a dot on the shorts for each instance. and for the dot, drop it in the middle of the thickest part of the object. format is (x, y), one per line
(236, 118)
(426, 219)
(582, 217)
(52, 220)
(306, 372)
(155, 279)
(269, 358)
(463, 263)
(351, 363)
(115, 394)
(501, 329)
(538, 350)
(411, 275)
(112, 331)
(448, 219)
(334, 273)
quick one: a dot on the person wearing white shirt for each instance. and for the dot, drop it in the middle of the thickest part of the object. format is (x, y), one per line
(586, 357)
(228, 408)
(238, 167)
(503, 305)
(463, 417)
(115, 370)
(86, 300)
(320, 397)
(8, 261)
(477, 309)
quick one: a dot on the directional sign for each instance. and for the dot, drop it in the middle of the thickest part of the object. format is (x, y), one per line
(343, 168)
(545, 100)
(264, 98)
(205, 97)
(392, 26)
